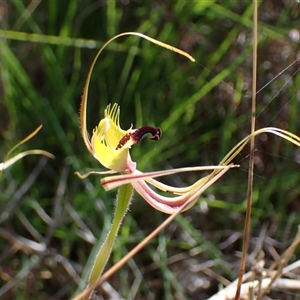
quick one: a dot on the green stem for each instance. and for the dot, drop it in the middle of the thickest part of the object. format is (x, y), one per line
(122, 203)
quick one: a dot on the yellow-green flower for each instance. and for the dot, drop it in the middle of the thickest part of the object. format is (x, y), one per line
(111, 144)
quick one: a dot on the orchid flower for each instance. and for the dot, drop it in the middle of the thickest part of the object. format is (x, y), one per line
(8, 162)
(110, 145)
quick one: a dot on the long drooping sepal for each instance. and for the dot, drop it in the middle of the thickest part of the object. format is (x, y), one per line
(112, 182)
(83, 108)
(276, 131)
(122, 204)
(166, 204)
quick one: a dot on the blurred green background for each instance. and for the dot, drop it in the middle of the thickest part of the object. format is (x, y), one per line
(51, 221)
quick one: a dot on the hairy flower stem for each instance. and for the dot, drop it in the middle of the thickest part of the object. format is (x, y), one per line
(123, 201)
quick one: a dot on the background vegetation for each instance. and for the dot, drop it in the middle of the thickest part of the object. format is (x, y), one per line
(51, 221)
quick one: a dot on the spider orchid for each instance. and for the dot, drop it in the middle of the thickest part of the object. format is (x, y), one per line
(110, 145)
(8, 162)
